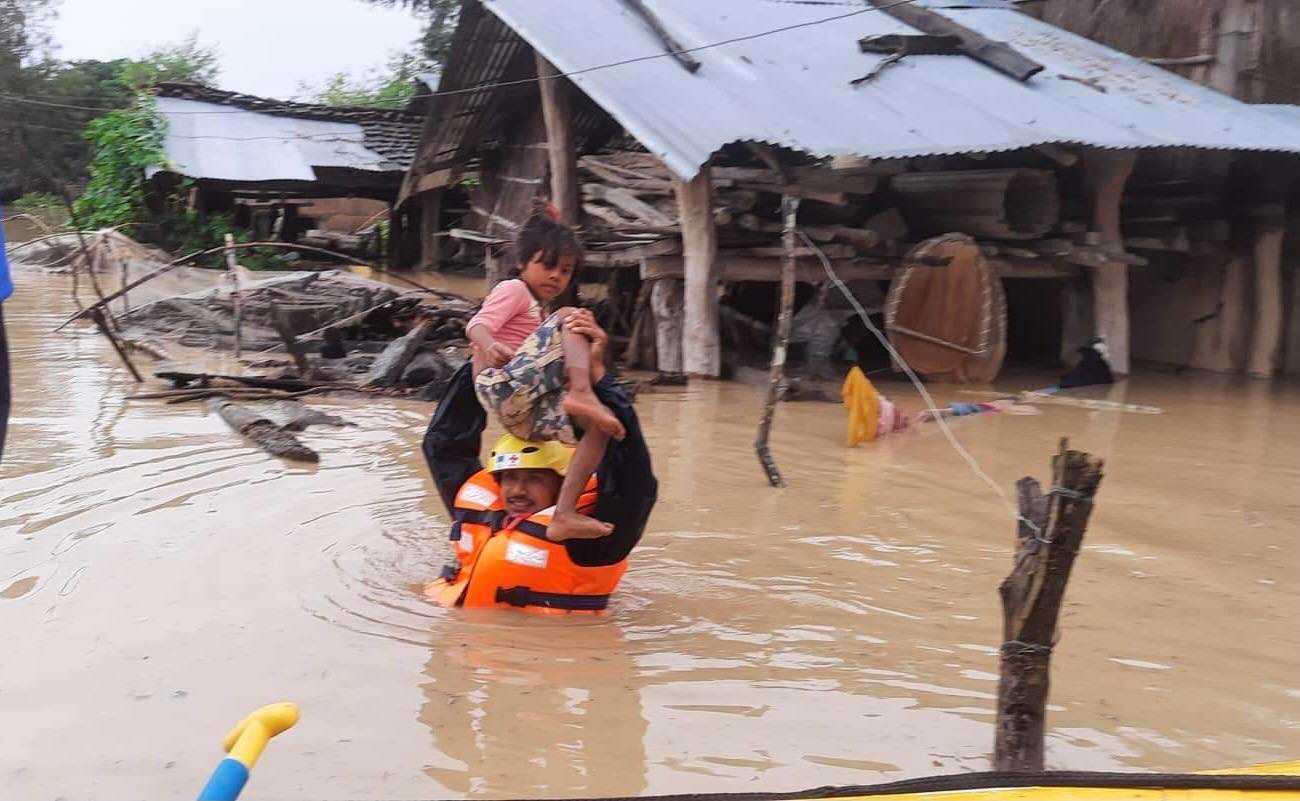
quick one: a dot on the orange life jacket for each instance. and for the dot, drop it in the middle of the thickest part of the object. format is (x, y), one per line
(517, 566)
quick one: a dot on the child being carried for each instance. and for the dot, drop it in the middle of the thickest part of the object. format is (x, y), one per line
(534, 374)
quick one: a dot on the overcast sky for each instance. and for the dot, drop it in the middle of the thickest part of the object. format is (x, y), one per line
(267, 47)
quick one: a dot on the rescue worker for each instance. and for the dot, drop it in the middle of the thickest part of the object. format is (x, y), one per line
(499, 514)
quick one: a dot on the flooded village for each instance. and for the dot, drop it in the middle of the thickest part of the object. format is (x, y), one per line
(855, 273)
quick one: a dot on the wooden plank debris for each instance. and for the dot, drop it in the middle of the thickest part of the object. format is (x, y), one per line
(387, 369)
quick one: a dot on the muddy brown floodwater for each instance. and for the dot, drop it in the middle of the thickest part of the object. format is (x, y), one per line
(158, 579)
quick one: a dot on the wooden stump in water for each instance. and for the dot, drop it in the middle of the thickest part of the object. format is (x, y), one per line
(1048, 538)
(263, 432)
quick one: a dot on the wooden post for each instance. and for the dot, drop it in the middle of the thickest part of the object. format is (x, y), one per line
(1048, 538)
(557, 110)
(666, 304)
(430, 227)
(395, 237)
(232, 269)
(701, 348)
(1220, 344)
(1235, 69)
(1266, 338)
(1107, 173)
(776, 379)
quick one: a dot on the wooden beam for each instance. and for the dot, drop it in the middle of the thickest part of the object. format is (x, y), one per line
(732, 269)
(701, 348)
(776, 378)
(1220, 334)
(666, 305)
(1107, 172)
(557, 110)
(625, 201)
(998, 55)
(670, 43)
(1266, 336)
(430, 228)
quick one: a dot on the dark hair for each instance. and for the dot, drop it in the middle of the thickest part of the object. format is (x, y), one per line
(544, 234)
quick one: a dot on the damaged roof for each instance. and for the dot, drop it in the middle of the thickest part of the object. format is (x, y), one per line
(794, 88)
(227, 136)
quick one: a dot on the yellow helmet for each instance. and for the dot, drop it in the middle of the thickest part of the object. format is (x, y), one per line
(513, 453)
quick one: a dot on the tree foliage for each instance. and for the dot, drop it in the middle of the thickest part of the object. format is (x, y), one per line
(389, 88)
(127, 142)
(46, 105)
(186, 60)
(440, 24)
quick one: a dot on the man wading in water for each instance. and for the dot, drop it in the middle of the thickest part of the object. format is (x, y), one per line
(500, 514)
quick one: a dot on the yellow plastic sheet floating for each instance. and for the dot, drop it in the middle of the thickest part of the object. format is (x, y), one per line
(863, 403)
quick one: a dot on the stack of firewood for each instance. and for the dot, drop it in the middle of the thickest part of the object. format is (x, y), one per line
(628, 198)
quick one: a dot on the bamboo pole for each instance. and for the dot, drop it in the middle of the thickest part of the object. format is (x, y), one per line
(233, 268)
(1048, 539)
(776, 379)
(98, 316)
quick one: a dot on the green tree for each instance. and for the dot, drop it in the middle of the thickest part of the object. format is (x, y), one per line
(127, 142)
(390, 87)
(24, 41)
(440, 25)
(186, 60)
(46, 105)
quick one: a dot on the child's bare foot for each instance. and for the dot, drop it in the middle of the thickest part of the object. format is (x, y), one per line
(587, 409)
(573, 526)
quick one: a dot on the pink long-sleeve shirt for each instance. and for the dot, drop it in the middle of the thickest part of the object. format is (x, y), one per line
(510, 313)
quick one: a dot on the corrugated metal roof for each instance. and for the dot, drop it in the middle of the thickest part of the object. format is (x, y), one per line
(793, 88)
(240, 145)
(1282, 111)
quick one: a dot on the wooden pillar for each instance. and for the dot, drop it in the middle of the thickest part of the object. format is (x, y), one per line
(666, 304)
(1266, 336)
(557, 110)
(701, 347)
(1107, 173)
(430, 227)
(1219, 342)
(394, 238)
(1237, 50)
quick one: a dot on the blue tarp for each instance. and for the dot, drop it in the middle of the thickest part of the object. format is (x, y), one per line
(6, 285)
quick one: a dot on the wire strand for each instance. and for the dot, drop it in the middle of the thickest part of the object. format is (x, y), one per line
(971, 461)
(536, 79)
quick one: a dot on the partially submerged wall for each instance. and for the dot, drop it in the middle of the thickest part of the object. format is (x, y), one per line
(1200, 312)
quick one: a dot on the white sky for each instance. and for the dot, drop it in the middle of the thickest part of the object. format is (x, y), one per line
(267, 47)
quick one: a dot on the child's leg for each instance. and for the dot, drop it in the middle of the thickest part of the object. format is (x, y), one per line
(580, 402)
(566, 523)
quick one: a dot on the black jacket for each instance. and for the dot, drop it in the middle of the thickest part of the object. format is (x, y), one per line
(627, 484)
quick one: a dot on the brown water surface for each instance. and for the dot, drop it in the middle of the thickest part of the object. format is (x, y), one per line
(159, 579)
